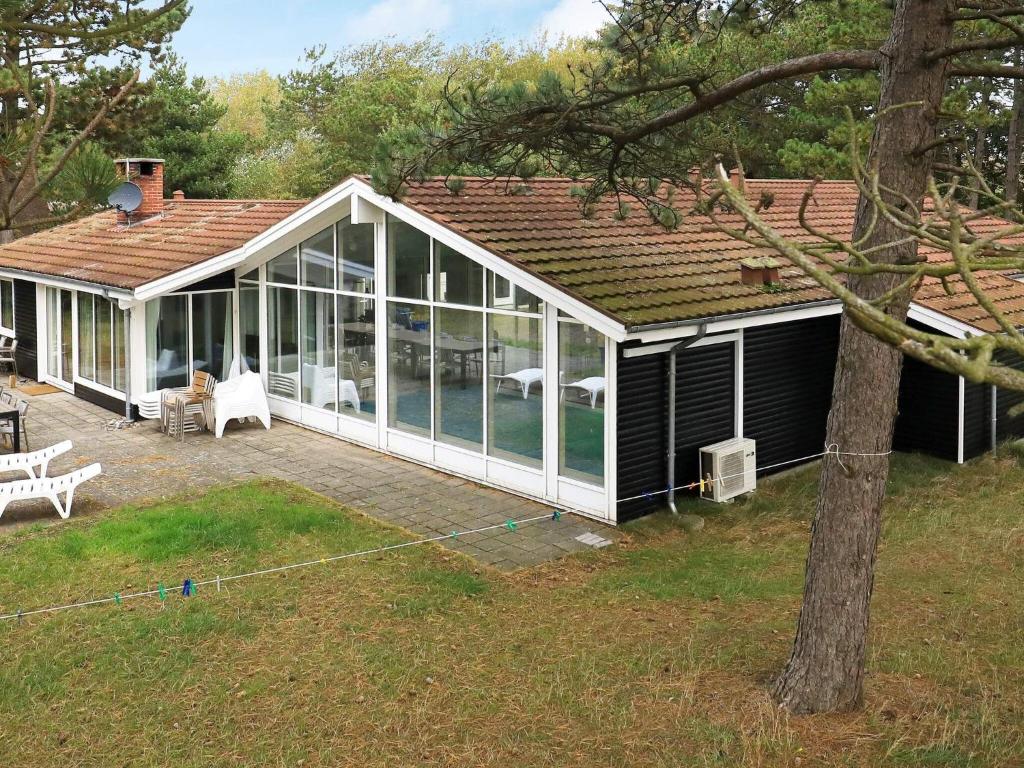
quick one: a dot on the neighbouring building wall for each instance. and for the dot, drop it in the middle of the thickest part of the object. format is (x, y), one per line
(928, 412)
(25, 326)
(1008, 427)
(787, 387)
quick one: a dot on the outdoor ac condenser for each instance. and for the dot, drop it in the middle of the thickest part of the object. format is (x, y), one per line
(732, 467)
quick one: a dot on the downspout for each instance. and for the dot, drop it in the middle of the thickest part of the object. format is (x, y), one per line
(993, 429)
(701, 333)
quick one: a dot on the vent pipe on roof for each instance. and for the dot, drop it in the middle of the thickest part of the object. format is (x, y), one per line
(178, 195)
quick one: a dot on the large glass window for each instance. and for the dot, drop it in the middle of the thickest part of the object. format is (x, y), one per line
(459, 352)
(167, 360)
(460, 280)
(249, 324)
(120, 334)
(104, 311)
(319, 370)
(409, 367)
(581, 380)
(503, 294)
(316, 256)
(212, 333)
(408, 261)
(283, 342)
(357, 356)
(284, 268)
(86, 338)
(355, 251)
(515, 412)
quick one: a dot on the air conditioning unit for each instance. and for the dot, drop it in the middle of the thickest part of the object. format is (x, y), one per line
(731, 466)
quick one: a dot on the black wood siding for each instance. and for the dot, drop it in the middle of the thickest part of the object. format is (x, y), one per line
(25, 328)
(787, 387)
(642, 432)
(217, 282)
(705, 413)
(102, 399)
(977, 419)
(1007, 427)
(928, 416)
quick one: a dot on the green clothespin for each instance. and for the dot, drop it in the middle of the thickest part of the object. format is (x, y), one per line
(161, 591)
(117, 598)
(510, 524)
(556, 515)
(455, 534)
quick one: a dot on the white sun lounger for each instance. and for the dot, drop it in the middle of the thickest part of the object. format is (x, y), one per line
(592, 385)
(525, 378)
(27, 462)
(48, 488)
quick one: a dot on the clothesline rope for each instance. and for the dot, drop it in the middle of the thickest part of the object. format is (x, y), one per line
(189, 585)
(832, 449)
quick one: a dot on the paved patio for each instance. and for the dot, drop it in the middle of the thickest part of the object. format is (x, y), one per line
(141, 464)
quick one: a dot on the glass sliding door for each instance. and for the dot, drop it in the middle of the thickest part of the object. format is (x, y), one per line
(60, 334)
(103, 311)
(459, 352)
(319, 365)
(515, 410)
(581, 383)
(167, 355)
(357, 356)
(409, 367)
(283, 342)
(86, 337)
(249, 323)
(212, 333)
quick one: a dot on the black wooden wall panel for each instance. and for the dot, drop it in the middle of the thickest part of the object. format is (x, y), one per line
(928, 411)
(216, 282)
(102, 399)
(787, 387)
(1007, 426)
(642, 433)
(25, 328)
(977, 419)
(705, 413)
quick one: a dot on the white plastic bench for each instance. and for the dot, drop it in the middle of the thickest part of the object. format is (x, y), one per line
(48, 488)
(27, 462)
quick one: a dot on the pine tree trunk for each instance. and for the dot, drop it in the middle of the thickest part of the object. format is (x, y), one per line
(825, 671)
(979, 137)
(1013, 137)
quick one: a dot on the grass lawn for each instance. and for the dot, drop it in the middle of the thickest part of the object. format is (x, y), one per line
(652, 653)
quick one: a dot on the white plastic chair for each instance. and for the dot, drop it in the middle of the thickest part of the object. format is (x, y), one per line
(240, 398)
(524, 378)
(27, 462)
(48, 488)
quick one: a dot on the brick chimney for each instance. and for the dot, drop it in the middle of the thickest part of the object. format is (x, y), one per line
(148, 173)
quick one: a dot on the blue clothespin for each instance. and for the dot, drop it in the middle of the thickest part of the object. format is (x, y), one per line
(648, 496)
(556, 515)
(186, 588)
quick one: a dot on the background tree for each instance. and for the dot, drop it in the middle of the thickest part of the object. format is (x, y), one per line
(47, 49)
(650, 109)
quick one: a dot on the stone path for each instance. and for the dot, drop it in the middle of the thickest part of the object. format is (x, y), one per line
(141, 464)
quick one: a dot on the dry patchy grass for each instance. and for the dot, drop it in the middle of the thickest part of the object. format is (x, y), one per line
(655, 652)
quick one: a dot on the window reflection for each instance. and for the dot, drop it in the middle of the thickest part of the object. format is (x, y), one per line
(316, 256)
(409, 367)
(319, 371)
(408, 260)
(581, 383)
(358, 357)
(283, 342)
(355, 251)
(460, 280)
(459, 352)
(515, 391)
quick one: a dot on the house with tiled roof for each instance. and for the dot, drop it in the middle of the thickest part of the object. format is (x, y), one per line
(486, 329)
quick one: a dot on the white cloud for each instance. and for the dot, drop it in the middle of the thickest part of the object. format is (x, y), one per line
(574, 18)
(403, 19)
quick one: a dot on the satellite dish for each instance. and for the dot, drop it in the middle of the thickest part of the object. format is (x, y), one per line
(126, 198)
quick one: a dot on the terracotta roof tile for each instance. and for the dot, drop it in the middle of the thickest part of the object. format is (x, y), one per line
(96, 249)
(640, 274)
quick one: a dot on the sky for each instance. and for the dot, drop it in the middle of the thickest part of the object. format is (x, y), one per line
(223, 37)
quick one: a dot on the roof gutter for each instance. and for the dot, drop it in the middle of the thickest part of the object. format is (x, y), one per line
(67, 282)
(699, 321)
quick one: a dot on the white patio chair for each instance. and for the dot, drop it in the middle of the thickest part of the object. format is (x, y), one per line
(592, 385)
(525, 378)
(27, 462)
(48, 488)
(240, 398)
